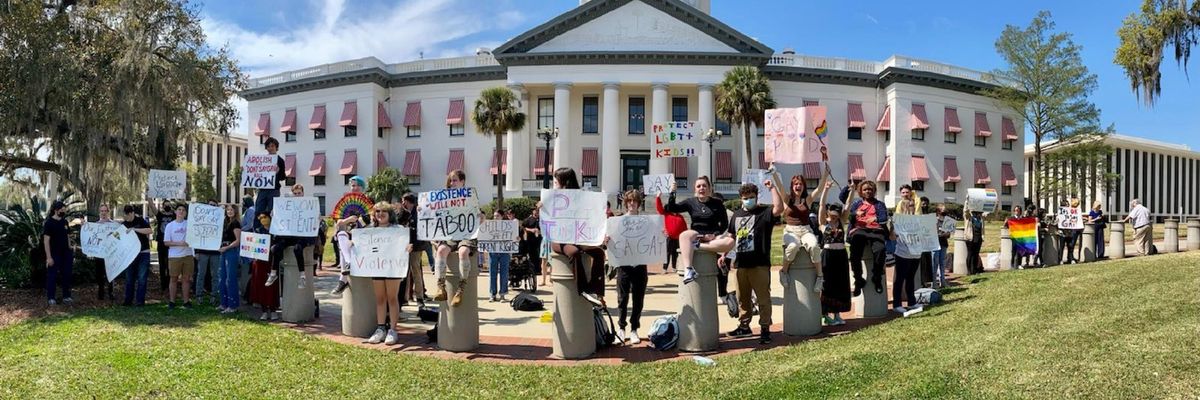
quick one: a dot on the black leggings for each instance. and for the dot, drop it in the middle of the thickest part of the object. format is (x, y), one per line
(1070, 236)
(631, 280)
(593, 283)
(869, 246)
(974, 264)
(298, 245)
(902, 282)
(672, 254)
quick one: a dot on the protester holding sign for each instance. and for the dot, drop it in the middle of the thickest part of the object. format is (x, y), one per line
(1070, 226)
(464, 247)
(590, 286)
(208, 261)
(797, 230)
(387, 290)
(266, 296)
(181, 263)
(135, 274)
(752, 226)
(414, 284)
(974, 233)
(499, 262)
(835, 292)
(103, 285)
(265, 200)
(868, 232)
(632, 279)
(231, 236)
(709, 223)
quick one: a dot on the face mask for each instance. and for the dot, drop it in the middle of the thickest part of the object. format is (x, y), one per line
(749, 203)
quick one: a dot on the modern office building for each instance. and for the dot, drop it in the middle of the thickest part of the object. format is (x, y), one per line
(220, 154)
(600, 75)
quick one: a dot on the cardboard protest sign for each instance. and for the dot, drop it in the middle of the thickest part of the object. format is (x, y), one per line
(675, 139)
(1069, 218)
(983, 200)
(256, 246)
(757, 177)
(948, 225)
(259, 171)
(573, 216)
(447, 214)
(379, 252)
(125, 249)
(94, 238)
(204, 224)
(919, 232)
(636, 240)
(655, 184)
(794, 135)
(296, 216)
(499, 236)
(113, 242)
(164, 184)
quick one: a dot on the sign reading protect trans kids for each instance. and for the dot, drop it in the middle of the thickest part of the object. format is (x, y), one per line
(675, 139)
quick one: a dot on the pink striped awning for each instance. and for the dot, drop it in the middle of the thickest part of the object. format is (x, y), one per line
(264, 125)
(381, 116)
(318, 165)
(412, 114)
(503, 161)
(952, 125)
(412, 163)
(318, 118)
(858, 171)
(1007, 176)
(455, 161)
(679, 167)
(762, 160)
(885, 121)
(349, 114)
(811, 103)
(380, 161)
(981, 125)
(885, 173)
(981, 173)
(724, 164)
(919, 120)
(289, 121)
(917, 170)
(854, 116)
(812, 170)
(541, 157)
(349, 163)
(289, 165)
(951, 170)
(591, 163)
(455, 115)
(1008, 129)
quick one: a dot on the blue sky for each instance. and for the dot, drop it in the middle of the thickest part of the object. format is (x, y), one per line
(271, 36)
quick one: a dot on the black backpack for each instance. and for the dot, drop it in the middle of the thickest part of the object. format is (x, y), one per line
(731, 303)
(428, 314)
(606, 331)
(526, 301)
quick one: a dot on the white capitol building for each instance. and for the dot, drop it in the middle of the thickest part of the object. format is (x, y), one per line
(602, 74)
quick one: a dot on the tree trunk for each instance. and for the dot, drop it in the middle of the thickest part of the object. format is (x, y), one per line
(499, 171)
(749, 144)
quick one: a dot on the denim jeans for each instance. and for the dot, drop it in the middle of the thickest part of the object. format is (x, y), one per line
(264, 202)
(230, 263)
(1099, 242)
(206, 265)
(499, 266)
(60, 274)
(137, 273)
(939, 266)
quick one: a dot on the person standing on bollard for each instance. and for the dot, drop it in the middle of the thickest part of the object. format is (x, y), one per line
(590, 285)
(676, 226)
(264, 201)
(1097, 217)
(631, 279)
(1142, 235)
(974, 234)
(752, 226)
(136, 273)
(231, 245)
(464, 248)
(709, 223)
(868, 234)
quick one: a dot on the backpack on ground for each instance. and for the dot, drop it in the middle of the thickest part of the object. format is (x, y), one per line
(526, 301)
(928, 296)
(1153, 250)
(606, 331)
(428, 314)
(664, 333)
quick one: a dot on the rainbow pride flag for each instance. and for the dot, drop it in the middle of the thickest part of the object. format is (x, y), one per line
(1024, 234)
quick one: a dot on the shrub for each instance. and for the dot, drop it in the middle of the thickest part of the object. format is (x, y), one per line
(733, 205)
(20, 234)
(521, 206)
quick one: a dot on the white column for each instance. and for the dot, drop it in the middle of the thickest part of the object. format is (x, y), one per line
(563, 150)
(610, 152)
(518, 144)
(660, 113)
(707, 121)
(900, 148)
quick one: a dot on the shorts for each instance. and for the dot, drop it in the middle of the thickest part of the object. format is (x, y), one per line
(455, 244)
(182, 266)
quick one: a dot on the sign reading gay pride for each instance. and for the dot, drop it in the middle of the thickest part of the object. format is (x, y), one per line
(379, 253)
(675, 139)
(1070, 218)
(982, 200)
(655, 184)
(919, 232)
(259, 171)
(166, 184)
(204, 224)
(447, 214)
(499, 236)
(256, 246)
(794, 135)
(573, 216)
(295, 216)
(636, 240)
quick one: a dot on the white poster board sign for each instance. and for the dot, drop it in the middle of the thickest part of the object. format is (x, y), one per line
(636, 240)
(757, 177)
(919, 232)
(259, 171)
(126, 249)
(655, 184)
(204, 224)
(447, 214)
(96, 238)
(983, 200)
(379, 252)
(499, 236)
(948, 225)
(256, 246)
(1069, 218)
(296, 216)
(573, 216)
(675, 139)
(165, 184)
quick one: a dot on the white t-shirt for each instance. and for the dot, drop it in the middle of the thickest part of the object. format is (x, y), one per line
(176, 231)
(1140, 216)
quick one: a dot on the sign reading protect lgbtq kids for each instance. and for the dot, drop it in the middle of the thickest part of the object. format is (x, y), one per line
(499, 236)
(794, 135)
(295, 216)
(447, 214)
(259, 171)
(919, 232)
(166, 184)
(256, 246)
(573, 216)
(675, 139)
(204, 224)
(656, 184)
(379, 253)
(636, 240)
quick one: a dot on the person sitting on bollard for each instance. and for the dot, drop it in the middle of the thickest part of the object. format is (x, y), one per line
(1096, 216)
(709, 223)
(590, 286)
(631, 279)
(752, 226)
(357, 185)
(298, 244)
(868, 234)
(797, 229)
(464, 248)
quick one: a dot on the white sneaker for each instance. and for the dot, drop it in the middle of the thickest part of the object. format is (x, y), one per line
(633, 337)
(275, 316)
(265, 316)
(377, 337)
(271, 279)
(392, 337)
(591, 298)
(689, 275)
(620, 336)
(899, 310)
(52, 302)
(303, 280)
(721, 300)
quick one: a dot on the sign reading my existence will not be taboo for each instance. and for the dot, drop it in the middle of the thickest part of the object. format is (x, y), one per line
(636, 240)
(499, 236)
(295, 216)
(379, 252)
(573, 216)
(204, 224)
(447, 214)
(259, 171)
(675, 139)
(113, 242)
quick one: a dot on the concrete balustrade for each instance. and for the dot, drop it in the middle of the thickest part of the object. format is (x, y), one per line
(1006, 250)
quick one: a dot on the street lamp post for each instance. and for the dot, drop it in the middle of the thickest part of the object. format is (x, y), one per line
(712, 136)
(548, 135)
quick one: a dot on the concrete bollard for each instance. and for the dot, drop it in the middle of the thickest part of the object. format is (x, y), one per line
(1116, 243)
(1051, 247)
(297, 304)
(960, 251)
(1006, 250)
(458, 327)
(801, 305)
(1193, 235)
(699, 324)
(871, 304)
(574, 327)
(1171, 237)
(1089, 243)
(358, 308)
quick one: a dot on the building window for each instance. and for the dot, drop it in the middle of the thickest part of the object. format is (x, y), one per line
(1007, 144)
(546, 113)
(497, 179)
(980, 141)
(808, 183)
(262, 139)
(887, 186)
(289, 137)
(887, 136)
(916, 185)
(679, 109)
(854, 134)
(637, 115)
(951, 137)
(351, 131)
(413, 131)
(590, 182)
(456, 130)
(918, 134)
(346, 179)
(951, 187)
(591, 115)
(321, 202)
(1006, 190)
(379, 132)
(319, 180)
(980, 186)
(289, 181)
(724, 127)
(318, 134)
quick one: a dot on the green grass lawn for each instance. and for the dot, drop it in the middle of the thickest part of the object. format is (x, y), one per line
(1122, 329)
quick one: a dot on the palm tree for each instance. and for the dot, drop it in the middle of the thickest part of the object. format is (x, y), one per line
(496, 114)
(743, 96)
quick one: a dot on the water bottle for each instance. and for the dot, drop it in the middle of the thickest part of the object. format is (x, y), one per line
(704, 361)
